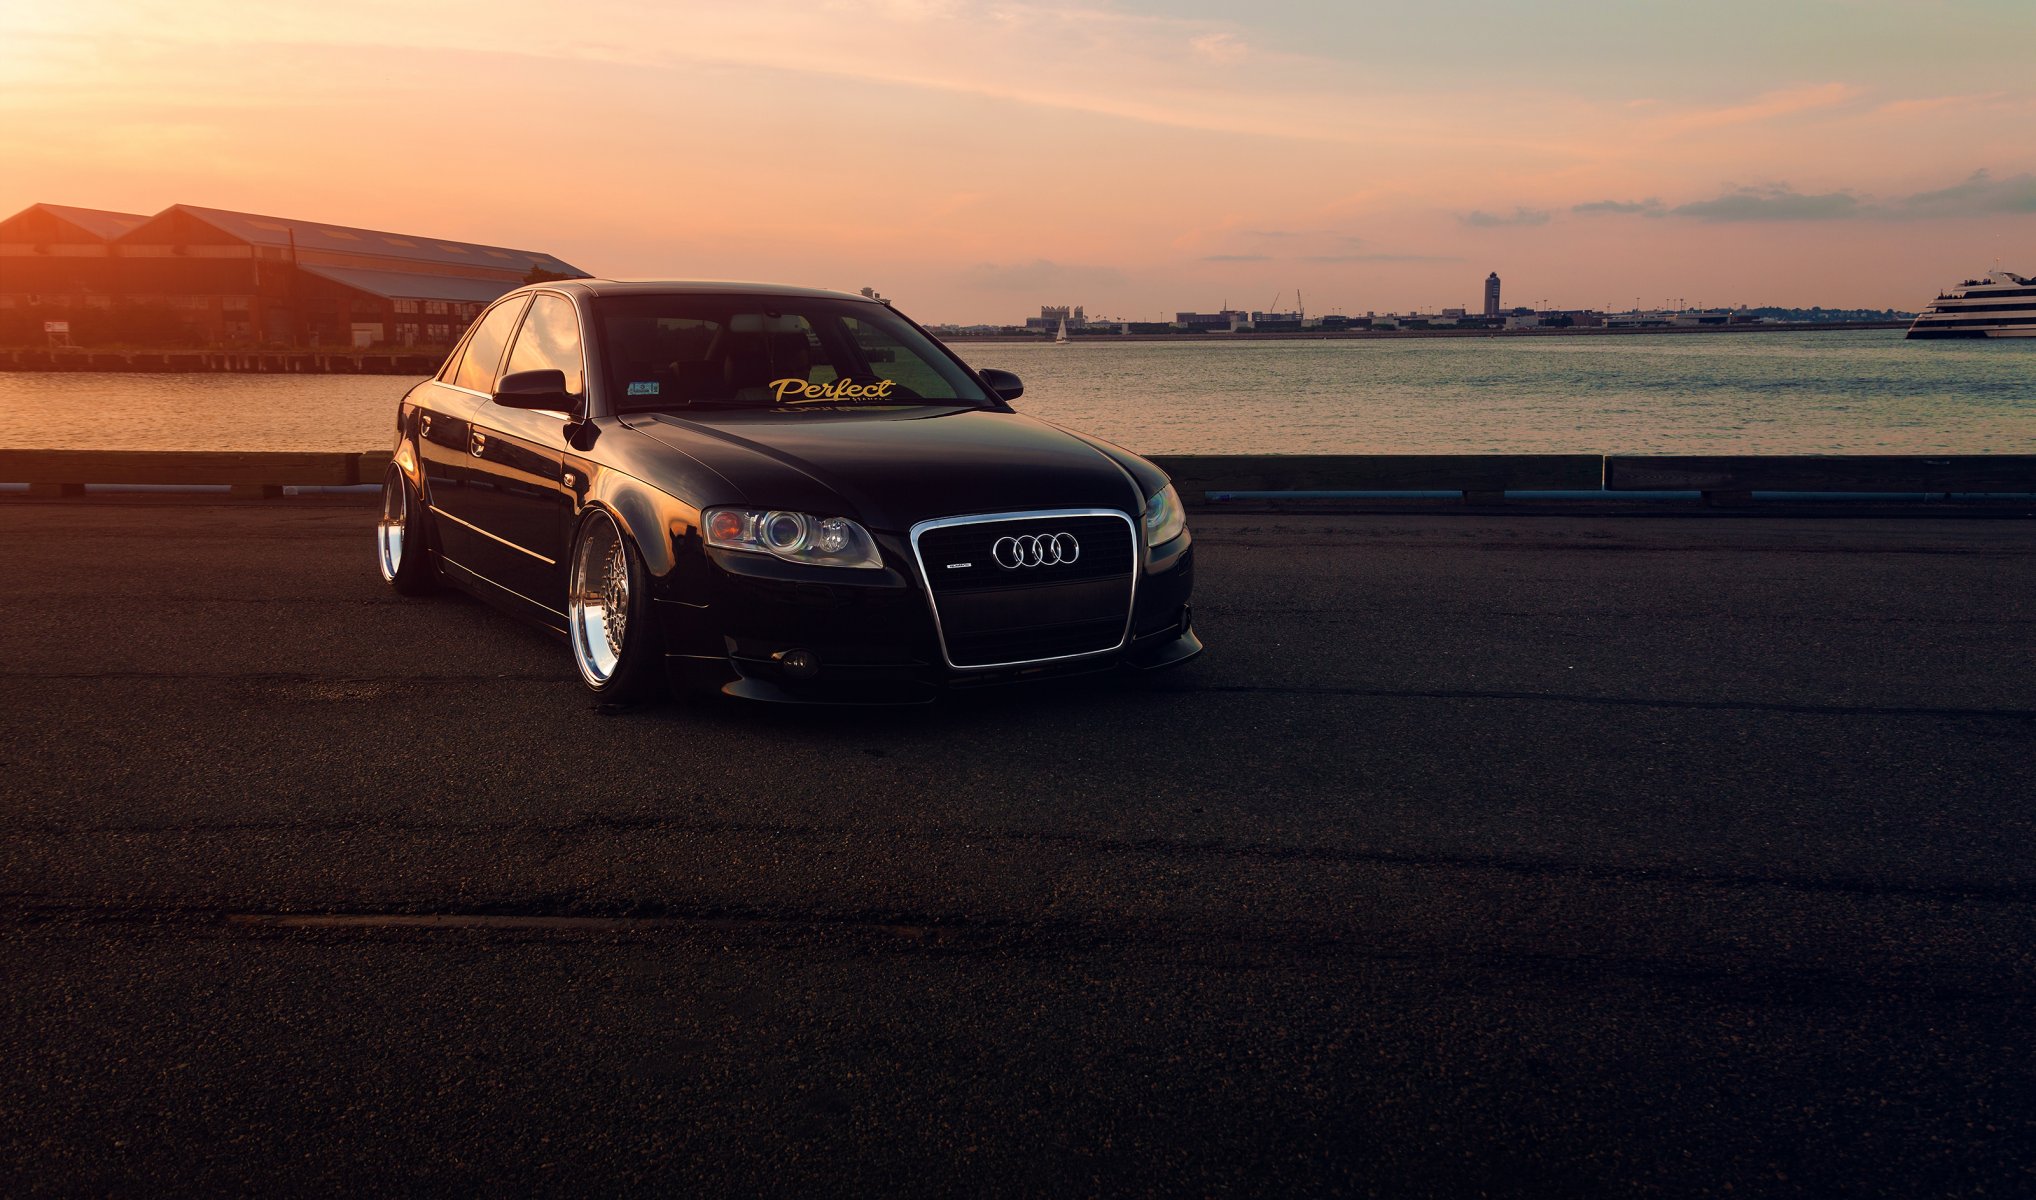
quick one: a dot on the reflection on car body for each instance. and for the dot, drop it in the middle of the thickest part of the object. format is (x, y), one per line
(779, 493)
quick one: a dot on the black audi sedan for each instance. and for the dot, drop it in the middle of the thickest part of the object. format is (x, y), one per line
(780, 493)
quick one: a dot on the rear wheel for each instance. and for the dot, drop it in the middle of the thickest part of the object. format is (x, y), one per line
(608, 612)
(402, 542)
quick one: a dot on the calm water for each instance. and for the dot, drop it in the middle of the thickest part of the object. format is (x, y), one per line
(1854, 393)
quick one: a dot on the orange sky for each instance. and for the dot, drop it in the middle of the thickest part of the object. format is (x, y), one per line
(977, 160)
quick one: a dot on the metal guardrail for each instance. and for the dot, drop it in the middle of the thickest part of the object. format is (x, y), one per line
(1727, 479)
(1480, 477)
(1201, 478)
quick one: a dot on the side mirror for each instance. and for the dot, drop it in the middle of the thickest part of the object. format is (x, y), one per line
(535, 389)
(1004, 383)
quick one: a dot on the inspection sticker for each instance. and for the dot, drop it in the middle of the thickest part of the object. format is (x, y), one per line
(643, 389)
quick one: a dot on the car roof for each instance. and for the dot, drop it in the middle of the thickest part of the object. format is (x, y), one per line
(714, 287)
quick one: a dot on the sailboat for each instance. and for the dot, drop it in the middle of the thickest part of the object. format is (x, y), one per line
(1060, 339)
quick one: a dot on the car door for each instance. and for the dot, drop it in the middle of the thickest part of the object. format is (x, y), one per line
(443, 412)
(446, 442)
(519, 496)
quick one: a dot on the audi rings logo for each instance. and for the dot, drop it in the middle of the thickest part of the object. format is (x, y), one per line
(1036, 550)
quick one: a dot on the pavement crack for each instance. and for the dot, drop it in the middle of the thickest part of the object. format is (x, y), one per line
(295, 677)
(1770, 706)
(560, 913)
(1734, 974)
(1209, 853)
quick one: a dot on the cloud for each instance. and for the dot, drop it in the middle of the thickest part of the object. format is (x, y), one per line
(1039, 274)
(1219, 47)
(1180, 71)
(1650, 207)
(1224, 258)
(1979, 195)
(1928, 104)
(1765, 107)
(1379, 258)
(1772, 202)
(1519, 216)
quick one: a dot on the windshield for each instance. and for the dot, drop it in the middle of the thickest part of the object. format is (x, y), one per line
(706, 351)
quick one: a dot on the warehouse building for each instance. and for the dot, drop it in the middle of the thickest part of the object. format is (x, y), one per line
(210, 277)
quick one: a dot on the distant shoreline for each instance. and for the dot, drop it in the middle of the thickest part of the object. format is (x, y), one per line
(35, 360)
(1384, 335)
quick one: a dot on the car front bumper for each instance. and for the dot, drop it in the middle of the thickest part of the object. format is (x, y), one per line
(868, 637)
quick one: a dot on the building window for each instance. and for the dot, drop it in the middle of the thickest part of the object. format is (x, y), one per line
(436, 308)
(406, 306)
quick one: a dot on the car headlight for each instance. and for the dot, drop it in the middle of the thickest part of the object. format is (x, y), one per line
(793, 536)
(1164, 517)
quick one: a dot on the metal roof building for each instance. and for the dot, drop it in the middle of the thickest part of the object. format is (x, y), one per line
(212, 276)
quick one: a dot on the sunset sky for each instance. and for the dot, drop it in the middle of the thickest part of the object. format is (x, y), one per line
(977, 160)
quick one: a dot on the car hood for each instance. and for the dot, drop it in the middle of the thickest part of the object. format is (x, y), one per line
(892, 468)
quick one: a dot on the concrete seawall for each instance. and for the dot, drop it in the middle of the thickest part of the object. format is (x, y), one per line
(1204, 479)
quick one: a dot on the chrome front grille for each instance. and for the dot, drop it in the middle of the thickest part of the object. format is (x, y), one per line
(990, 613)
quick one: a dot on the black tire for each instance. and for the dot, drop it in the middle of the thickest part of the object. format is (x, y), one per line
(620, 663)
(403, 538)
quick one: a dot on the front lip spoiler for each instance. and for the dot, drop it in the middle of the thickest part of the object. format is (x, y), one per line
(1171, 654)
(1151, 654)
(746, 687)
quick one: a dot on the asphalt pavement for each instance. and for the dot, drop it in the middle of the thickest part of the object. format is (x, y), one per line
(1479, 855)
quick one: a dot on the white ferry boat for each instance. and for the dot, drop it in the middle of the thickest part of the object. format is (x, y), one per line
(2003, 304)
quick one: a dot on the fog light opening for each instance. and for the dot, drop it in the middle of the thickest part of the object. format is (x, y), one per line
(798, 664)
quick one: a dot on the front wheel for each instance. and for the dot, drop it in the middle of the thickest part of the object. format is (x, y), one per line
(402, 546)
(608, 612)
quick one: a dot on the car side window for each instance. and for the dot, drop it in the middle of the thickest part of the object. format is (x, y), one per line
(484, 349)
(550, 340)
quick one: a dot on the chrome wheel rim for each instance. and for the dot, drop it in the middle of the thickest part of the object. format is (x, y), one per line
(598, 607)
(395, 520)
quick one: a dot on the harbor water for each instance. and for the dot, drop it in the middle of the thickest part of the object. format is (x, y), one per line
(1780, 393)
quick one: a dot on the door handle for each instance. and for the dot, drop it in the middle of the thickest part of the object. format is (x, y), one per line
(478, 444)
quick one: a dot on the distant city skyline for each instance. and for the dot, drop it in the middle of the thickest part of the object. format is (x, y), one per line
(1494, 315)
(975, 160)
